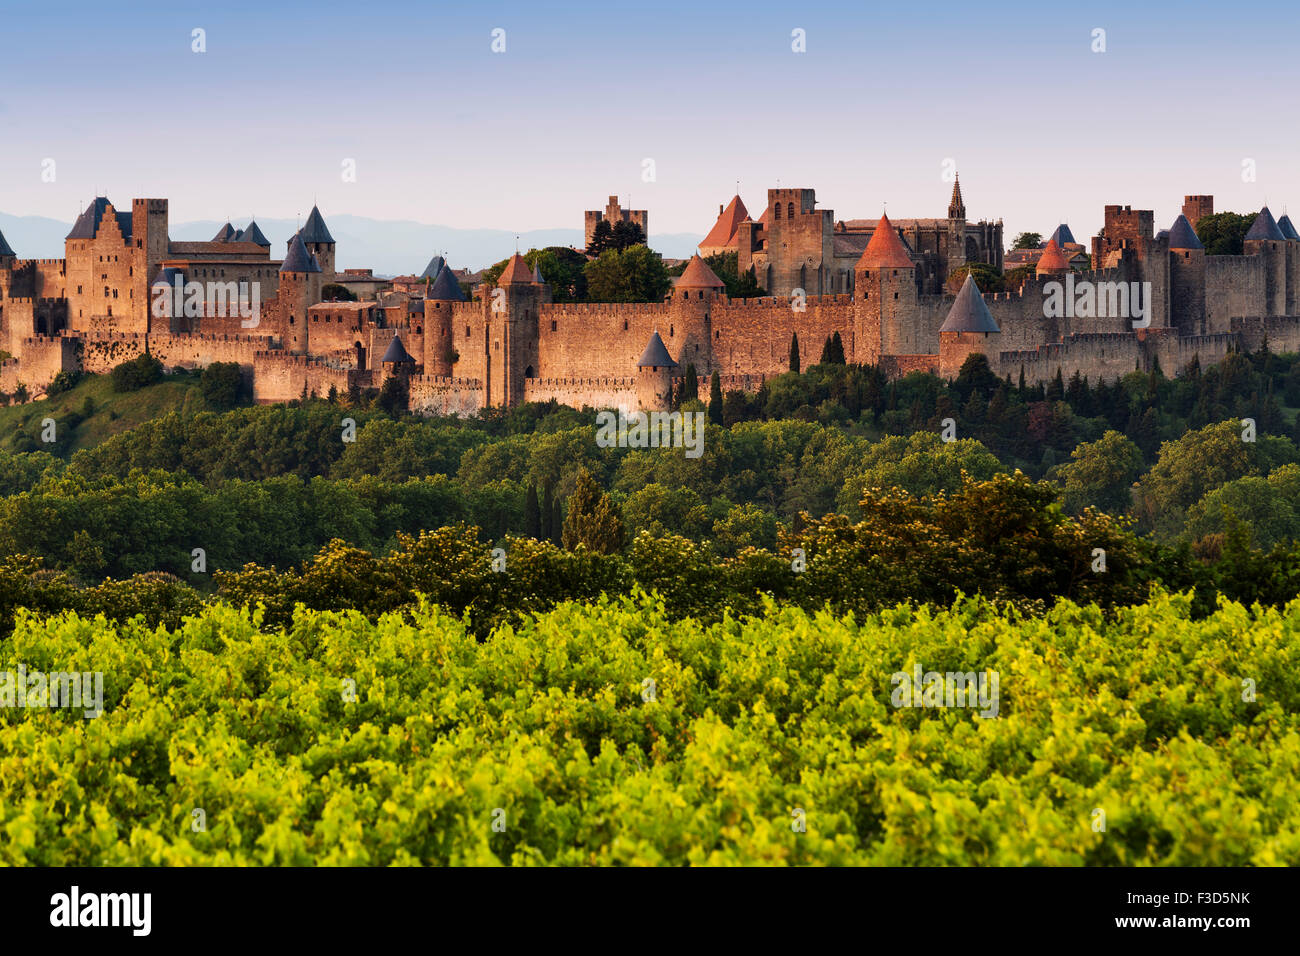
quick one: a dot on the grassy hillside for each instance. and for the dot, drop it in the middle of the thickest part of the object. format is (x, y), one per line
(92, 412)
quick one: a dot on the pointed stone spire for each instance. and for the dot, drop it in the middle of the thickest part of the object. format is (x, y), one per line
(698, 275)
(655, 354)
(537, 275)
(225, 234)
(4, 247)
(1183, 236)
(445, 287)
(956, 208)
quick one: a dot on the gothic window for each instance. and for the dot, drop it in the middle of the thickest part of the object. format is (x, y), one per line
(789, 211)
(777, 207)
(554, 325)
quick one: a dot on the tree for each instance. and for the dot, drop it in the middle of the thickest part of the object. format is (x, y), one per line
(602, 238)
(532, 514)
(1100, 474)
(222, 384)
(1027, 240)
(394, 395)
(715, 398)
(833, 350)
(633, 275)
(592, 520)
(333, 292)
(986, 277)
(794, 352)
(627, 234)
(139, 372)
(691, 388)
(1223, 233)
(562, 268)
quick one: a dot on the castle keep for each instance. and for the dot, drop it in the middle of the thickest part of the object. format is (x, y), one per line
(124, 288)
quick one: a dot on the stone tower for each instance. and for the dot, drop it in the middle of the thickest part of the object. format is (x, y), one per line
(397, 362)
(320, 244)
(654, 377)
(1186, 279)
(514, 313)
(969, 328)
(1265, 239)
(885, 310)
(800, 242)
(438, 336)
(300, 285)
(689, 322)
(1292, 237)
(1196, 208)
(149, 232)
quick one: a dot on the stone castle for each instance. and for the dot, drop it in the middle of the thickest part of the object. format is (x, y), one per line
(124, 288)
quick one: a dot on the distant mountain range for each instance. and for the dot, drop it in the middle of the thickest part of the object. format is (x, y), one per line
(390, 247)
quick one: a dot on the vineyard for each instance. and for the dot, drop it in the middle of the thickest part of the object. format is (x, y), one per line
(614, 732)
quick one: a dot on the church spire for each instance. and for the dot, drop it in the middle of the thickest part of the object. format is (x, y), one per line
(956, 208)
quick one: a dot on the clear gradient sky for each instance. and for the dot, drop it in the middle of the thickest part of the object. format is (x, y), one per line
(445, 131)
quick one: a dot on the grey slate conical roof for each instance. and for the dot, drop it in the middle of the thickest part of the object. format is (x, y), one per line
(314, 230)
(434, 267)
(655, 354)
(1264, 227)
(1183, 236)
(396, 353)
(298, 258)
(4, 247)
(537, 275)
(226, 233)
(445, 287)
(253, 234)
(969, 313)
(1062, 235)
(1284, 224)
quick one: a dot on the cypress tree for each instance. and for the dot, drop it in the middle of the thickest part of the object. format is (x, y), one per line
(548, 510)
(532, 514)
(692, 383)
(794, 352)
(715, 398)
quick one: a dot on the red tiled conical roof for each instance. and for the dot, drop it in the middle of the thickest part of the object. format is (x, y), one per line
(885, 250)
(1052, 260)
(698, 275)
(723, 232)
(516, 271)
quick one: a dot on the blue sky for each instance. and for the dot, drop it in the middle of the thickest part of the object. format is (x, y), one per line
(444, 131)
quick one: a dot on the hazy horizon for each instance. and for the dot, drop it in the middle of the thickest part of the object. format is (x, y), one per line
(443, 131)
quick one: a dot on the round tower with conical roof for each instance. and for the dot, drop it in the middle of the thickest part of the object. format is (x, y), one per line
(316, 237)
(885, 307)
(969, 329)
(1186, 279)
(654, 376)
(440, 300)
(514, 325)
(1266, 240)
(690, 306)
(1052, 262)
(300, 289)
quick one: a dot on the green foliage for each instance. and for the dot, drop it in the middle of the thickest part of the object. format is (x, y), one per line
(634, 274)
(139, 372)
(794, 352)
(1101, 474)
(1027, 240)
(550, 721)
(591, 520)
(1224, 233)
(833, 350)
(988, 278)
(65, 381)
(222, 385)
(333, 292)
